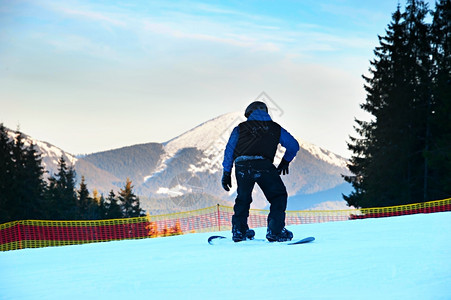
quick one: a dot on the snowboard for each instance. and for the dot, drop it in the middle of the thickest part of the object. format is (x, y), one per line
(217, 239)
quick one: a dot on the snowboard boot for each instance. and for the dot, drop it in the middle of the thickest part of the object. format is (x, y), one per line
(250, 233)
(238, 235)
(284, 236)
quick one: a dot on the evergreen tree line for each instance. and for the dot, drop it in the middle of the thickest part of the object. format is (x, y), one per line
(25, 194)
(403, 154)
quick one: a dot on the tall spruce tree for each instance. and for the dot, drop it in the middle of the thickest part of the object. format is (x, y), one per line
(28, 184)
(84, 200)
(367, 167)
(18, 175)
(34, 185)
(388, 165)
(97, 210)
(130, 202)
(440, 148)
(102, 203)
(421, 101)
(61, 196)
(22, 185)
(113, 207)
(6, 164)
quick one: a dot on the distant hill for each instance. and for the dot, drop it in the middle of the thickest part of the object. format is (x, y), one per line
(134, 162)
(191, 164)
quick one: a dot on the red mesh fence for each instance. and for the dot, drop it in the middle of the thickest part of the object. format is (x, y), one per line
(38, 233)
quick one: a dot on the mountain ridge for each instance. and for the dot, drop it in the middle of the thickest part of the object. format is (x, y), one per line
(191, 164)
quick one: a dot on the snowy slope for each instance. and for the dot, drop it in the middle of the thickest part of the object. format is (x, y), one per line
(393, 258)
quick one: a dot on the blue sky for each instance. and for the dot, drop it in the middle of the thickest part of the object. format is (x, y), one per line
(89, 76)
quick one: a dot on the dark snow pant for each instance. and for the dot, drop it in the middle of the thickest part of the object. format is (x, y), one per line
(262, 172)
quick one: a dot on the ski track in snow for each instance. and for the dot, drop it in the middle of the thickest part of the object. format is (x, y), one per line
(405, 257)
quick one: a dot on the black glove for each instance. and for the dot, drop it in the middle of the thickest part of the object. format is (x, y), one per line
(283, 167)
(226, 180)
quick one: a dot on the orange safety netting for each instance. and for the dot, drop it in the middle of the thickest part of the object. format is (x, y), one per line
(38, 233)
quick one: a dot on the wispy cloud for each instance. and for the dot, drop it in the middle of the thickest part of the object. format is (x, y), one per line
(215, 9)
(237, 40)
(91, 15)
(81, 44)
(199, 22)
(218, 10)
(358, 16)
(252, 31)
(196, 22)
(79, 11)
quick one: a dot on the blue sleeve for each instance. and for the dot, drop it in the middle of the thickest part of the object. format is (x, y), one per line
(290, 144)
(230, 148)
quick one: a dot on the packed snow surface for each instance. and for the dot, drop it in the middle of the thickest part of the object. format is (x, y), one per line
(392, 258)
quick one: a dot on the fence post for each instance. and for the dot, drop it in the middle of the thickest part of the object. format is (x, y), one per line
(19, 234)
(219, 218)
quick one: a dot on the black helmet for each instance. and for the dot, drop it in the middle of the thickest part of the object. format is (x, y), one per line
(256, 105)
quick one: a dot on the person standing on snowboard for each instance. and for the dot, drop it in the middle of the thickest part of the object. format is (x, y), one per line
(252, 146)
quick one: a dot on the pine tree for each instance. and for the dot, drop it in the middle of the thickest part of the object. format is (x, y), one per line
(6, 163)
(420, 96)
(18, 175)
(440, 132)
(113, 208)
(130, 203)
(103, 206)
(28, 185)
(366, 163)
(61, 196)
(84, 200)
(96, 210)
(22, 185)
(388, 164)
(96, 197)
(34, 185)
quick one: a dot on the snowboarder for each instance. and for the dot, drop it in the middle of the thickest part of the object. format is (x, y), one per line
(252, 146)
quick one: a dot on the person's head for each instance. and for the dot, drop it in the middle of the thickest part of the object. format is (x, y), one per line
(256, 105)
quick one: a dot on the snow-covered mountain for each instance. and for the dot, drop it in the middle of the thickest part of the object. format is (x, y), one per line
(191, 164)
(211, 137)
(50, 154)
